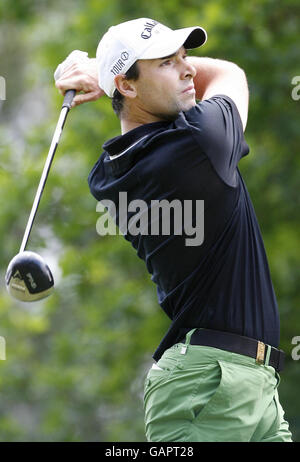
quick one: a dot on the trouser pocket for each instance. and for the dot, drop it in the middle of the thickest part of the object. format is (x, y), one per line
(209, 392)
(170, 398)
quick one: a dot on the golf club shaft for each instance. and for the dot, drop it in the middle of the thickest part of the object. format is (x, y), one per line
(55, 140)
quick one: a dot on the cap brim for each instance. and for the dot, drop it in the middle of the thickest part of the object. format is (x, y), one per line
(170, 42)
(196, 37)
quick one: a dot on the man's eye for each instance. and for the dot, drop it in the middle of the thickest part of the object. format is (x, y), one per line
(166, 63)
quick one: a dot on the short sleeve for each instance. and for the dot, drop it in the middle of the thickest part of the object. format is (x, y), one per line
(217, 128)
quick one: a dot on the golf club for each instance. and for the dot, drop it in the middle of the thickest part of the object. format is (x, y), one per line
(28, 277)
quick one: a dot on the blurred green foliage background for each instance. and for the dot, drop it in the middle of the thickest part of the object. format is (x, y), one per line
(76, 362)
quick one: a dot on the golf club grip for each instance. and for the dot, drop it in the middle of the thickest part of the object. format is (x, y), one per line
(69, 95)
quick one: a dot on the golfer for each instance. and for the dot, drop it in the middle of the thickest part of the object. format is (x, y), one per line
(216, 370)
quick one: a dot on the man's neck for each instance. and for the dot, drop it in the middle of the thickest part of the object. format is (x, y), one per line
(127, 125)
(134, 118)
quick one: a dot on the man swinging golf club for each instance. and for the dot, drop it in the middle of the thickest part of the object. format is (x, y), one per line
(216, 370)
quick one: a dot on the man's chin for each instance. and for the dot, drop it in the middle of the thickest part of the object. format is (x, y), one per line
(187, 103)
(190, 105)
(181, 108)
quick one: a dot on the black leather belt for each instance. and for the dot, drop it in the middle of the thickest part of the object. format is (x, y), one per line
(239, 344)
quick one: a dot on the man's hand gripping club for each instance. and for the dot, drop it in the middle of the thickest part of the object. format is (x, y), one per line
(78, 72)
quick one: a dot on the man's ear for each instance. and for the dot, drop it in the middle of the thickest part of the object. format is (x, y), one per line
(125, 87)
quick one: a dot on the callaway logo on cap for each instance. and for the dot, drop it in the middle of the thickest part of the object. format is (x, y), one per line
(142, 38)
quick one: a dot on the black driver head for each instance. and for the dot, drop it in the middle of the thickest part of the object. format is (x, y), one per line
(28, 277)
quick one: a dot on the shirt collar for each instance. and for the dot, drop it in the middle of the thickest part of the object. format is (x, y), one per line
(121, 143)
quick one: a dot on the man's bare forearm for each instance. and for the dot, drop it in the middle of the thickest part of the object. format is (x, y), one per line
(210, 70)
(216, 76)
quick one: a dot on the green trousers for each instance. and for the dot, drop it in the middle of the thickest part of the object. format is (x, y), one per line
(197, 393)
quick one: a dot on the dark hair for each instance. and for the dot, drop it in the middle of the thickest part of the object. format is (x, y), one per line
(118, 99)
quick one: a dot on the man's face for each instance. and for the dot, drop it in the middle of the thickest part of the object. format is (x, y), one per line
(165, 86)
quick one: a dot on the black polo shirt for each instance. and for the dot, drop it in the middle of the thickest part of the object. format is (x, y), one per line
(223, 283)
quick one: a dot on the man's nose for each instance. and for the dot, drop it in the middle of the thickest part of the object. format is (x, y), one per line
(188, 69)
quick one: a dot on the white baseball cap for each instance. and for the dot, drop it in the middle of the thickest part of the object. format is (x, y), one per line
(142, 38)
